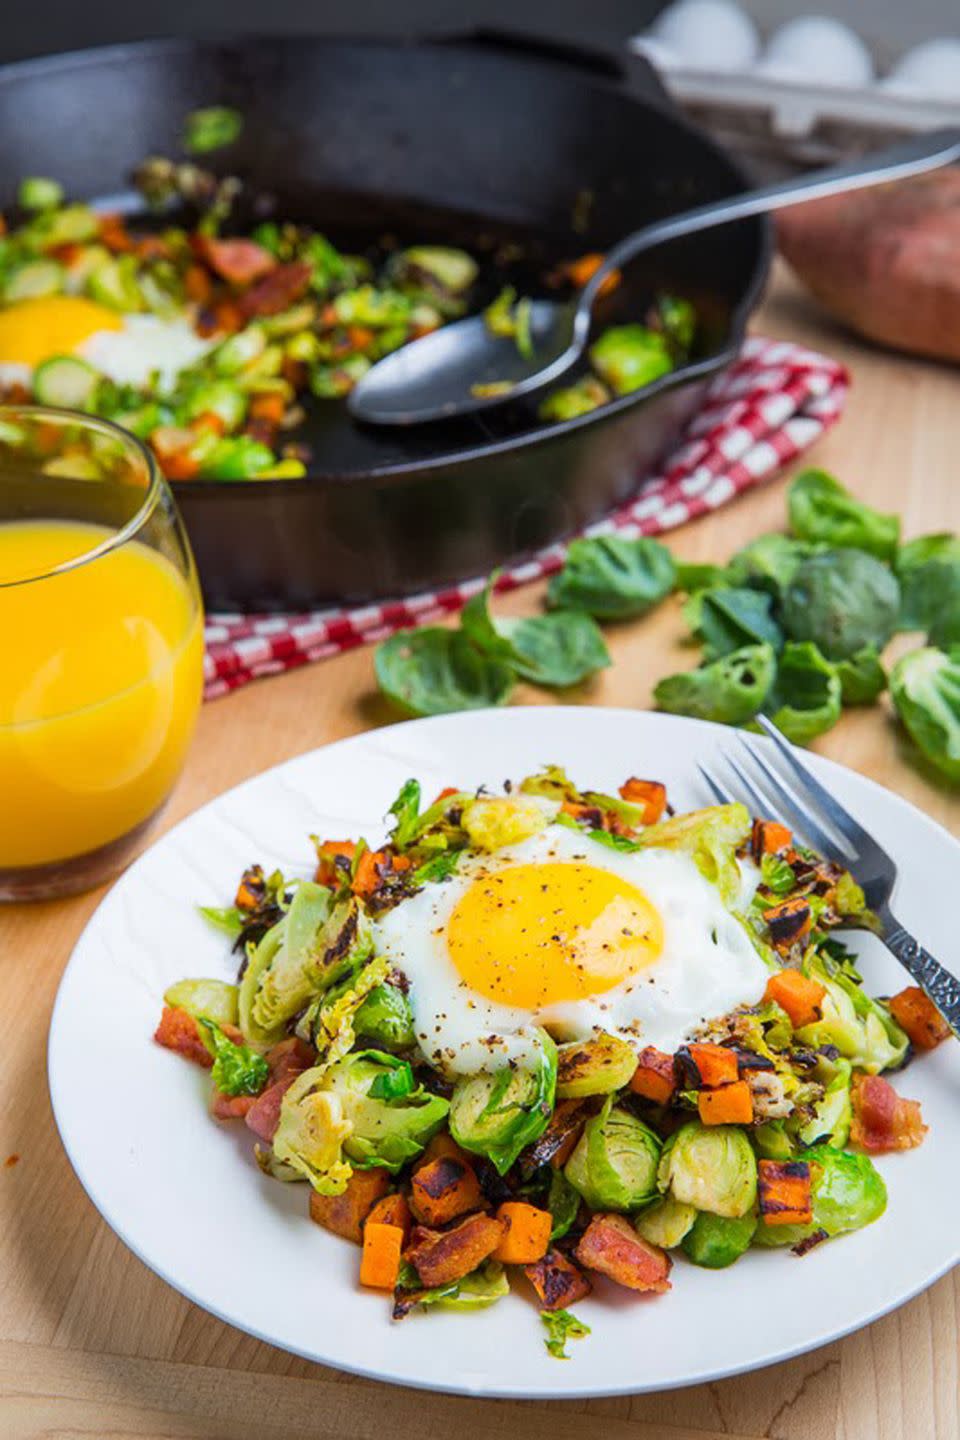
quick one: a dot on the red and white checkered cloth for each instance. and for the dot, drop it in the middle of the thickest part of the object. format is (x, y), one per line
(763, 412)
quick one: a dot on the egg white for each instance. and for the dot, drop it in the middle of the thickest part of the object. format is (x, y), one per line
(707, 966)
(146, 345)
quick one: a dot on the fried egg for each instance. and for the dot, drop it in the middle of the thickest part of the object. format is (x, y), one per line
(128, 349)
(561, 931)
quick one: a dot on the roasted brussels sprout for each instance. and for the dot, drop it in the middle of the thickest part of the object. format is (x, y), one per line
(497, 1115)
(848, 1193)
(833, 1114)
(205, 999)
(862, 1030)
(568, 403)
(282, 975)
(563, 1202)
(842, 600)
(391, 1119)
(385, 1018)
(494, 821)
(614, 1166)
(665, 1222)
(925, 686)
(731, 690)
(438, 270)
(594, 1067)
(711, 1167)
(716, 1241)
(311, 1131)
(711, 837)
(772, 1141)
(628, 357)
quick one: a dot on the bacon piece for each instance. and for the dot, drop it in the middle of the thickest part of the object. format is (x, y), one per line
(276, 291)
(557, 1281)
(442, 1256)
(179, 1031)
(263, 1117)
(882, 1120)
(611, 1245)
(289, 1058)
(114, 235)
(920, 1018)
(231, 1107)
(239, 262)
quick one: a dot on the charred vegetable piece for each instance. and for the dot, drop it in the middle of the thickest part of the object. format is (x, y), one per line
(789, 922)
(716, 1241)
(769, 837)
(916, 1013)
(655, 1076)
(882, 1120)
(784, 1189)
(650, 794)
(628, 357)
(558, 1141)
(345, 1214)
(389, 1123)
(443, 1189)
(847, 1191)
(557, 1281)
(612, 1246)
(594, 1067)
(711, 1065)
(441, 1257)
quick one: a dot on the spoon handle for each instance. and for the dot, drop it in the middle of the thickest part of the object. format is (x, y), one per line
(910, 157)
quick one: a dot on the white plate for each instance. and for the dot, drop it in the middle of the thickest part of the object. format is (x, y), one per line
(184, 1194)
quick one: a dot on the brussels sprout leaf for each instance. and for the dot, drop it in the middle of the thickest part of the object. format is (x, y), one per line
(435, 671)
(394, 1084)
(731, 690)
(822, 510)
(862, 677)
(562, 1326)
(805, 700)
(237, 1070)
(211, 129)
(229, 920)
(777, 875)
(925, 686)
(729, 618)
(613, 578)
(558, 649)
(406, 811)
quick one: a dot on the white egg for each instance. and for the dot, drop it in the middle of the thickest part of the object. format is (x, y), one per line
(144, 346)
(930, 71)
(564, 932)
(707, 34)
(819, 49)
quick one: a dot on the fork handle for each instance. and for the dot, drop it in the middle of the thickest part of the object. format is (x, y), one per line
(936, 983)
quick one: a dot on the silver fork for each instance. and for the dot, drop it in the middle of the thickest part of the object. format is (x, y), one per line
(790, 791)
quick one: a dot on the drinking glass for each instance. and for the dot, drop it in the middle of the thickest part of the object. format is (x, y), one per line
(101, 649)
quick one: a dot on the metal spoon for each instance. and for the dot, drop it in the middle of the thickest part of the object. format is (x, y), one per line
(435, 378)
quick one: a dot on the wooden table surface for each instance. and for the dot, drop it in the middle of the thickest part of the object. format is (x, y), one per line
(92, 1344)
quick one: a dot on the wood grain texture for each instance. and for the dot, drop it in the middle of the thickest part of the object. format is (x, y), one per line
(93, 1345)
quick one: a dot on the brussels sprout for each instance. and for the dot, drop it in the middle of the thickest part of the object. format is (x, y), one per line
(822, 510)
(726, 619)
(731, 690)
(925, 686)
(475, 1291)
(368, 306)
(612, 577)
(628, 357)
(237, 1070)
(563, 1202)
(594, 1067)
(386, 1131)
(768, 563)
(222, 398)
(677, 318)
(805, 700)
(211, 129)
(614, 1166)
(842, 600)
(562, 648)
(311, 1131)
(832, 1114)
(433, 671)
(847, 1193)
(240, 350)
(36, 192)
(310, 947)
(862, 677)
(573, 400)
(862, 1030)
(497, 1115)
(385, 1018)
(665, 1222)
(716, 1241)
(437, 268)
(711, 837)
(928, 569)
(772, 1141)
(328, 1023)
(205, 999)
(712, 1167)
(495, 821)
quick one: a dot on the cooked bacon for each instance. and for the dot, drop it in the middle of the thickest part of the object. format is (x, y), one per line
(114, 234)
(916, 1014)
(442, 1256)
(557, 1281)
(179, 1031)
(231, 1107)
(263, 1117)
(882, 1120)
(239, 262)
(289, 1058)
(276, 291)
(559, 1140)
(611, 1245)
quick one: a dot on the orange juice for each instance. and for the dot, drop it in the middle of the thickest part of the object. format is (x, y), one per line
(100, 682)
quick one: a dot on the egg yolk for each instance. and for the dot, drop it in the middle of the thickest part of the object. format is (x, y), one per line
(536, 935)
(32, 331)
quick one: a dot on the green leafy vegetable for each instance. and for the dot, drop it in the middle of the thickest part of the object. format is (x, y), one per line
(391, 1118)
(204, 999)
(727, 619)
(497, 1115)
(628, 357)
(925, 686)
(665, 1222)
(862, 677)
(568, 403)
(561, 1326)
(822, 511)
(211, 129)
(229, 920)
(286, 969)
(614, 1165)
(385, 1018)
(711, 837)
(730, 690)
(563, 1202)
(806, 697)
(777, 875)
(844, 601)
(929, 572)
(393, 1084)
(613, 578)
(237, 1070)
(406, 812)
(435, 671)
(769, 562)
(559, 649)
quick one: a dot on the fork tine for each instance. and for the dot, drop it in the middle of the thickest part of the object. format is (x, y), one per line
(718, 794)
(755, 798)
(842, 821)
(791, 804)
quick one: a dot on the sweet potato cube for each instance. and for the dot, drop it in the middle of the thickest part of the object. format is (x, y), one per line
(344, 1214)
(527, 1236)
(651, 794)
(443, 1189)
(920, 1018)
(769, 837)
(442, 1256)
(727, 1105)
(785, 1192)
(380, 1262)
(334, 858)
(800, 996)
(612, 1246)
(557, 1281)
(789, 922)
(714, 1064)
(392, 1210)
(655, 1076)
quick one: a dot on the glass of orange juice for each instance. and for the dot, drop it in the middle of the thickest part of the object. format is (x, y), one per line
(101, 649)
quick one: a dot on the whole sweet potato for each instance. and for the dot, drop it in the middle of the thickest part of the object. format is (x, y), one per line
(886, 260)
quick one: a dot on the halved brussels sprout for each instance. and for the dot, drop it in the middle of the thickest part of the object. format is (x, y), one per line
(666, 1222)
(311, 1132)
(594, 1067)
(482, 1287)
(205, 999)
(712, 1167)
(494, 821)
(497, 1115)
(388, 1128)
(715, 1241)
(711, 837)
(385, 1017)
(329, 1022)
(848, 1193)
(772, 1141)
(614, 1166)
(834, 1113)
(283, 975)
(863, 1031)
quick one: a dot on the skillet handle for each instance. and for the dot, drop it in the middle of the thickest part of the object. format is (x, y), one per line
(603, 60)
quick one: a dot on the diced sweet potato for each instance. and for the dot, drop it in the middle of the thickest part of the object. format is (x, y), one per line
(527, 1236)
(611, 1245)
(374, 867)
(334, 858)
(392, 1210)
(557, 1281)
(884, 1121)
(443, 1189)
(442, 1143)
(442, 1256)
(715, 1064)
(727, 1105)
(344, 1214)
(769, 837)
(789, 922)
(655, 1076)
(178, 1031)
(920, 1018)
(801, 997)
(380, 1262)
(785, 1192)
(252, 890)
(651, 794)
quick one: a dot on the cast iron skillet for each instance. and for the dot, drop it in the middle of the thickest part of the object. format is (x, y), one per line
(471, 141)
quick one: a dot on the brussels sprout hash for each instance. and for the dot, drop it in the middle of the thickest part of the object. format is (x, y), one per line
(596, 1156)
